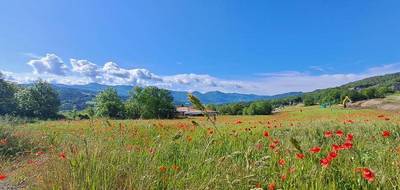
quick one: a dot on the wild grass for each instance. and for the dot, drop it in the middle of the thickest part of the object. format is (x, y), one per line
(191, 154)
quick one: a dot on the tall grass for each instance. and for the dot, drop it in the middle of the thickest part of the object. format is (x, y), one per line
(175, 154)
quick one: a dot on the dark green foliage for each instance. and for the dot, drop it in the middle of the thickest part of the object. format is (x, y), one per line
(108, 104)
(8, 103)
(309, 100)
(40, 101)
(258, 108)
(150, 102)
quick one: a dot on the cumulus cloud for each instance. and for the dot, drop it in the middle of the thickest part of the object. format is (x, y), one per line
(84, 67)
(52, 69)
(49, 64)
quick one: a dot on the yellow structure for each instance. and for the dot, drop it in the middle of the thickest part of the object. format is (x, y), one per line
(345, 101)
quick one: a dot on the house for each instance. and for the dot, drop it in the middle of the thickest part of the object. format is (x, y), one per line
(190, 111)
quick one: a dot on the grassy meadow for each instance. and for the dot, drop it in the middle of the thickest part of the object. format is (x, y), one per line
(298, 148)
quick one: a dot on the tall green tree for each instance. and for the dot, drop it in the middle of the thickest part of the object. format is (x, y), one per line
(151, 102)
(109, 104)
(39, 100)
(8, 103)
(258, 108)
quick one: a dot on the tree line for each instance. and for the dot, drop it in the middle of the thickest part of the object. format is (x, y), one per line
(40, 100)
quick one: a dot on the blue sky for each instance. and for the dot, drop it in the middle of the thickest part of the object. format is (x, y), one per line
(262, 47)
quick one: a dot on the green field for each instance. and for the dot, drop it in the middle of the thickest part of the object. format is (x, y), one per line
(193, 154)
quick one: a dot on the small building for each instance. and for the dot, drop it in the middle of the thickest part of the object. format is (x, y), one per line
(190, 111)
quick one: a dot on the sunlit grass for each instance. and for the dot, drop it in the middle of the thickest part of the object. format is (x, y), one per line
(182, 154)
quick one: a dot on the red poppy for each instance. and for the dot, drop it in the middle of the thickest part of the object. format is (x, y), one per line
(347, 145)
(386, 134)
(349, 137)
(272, 146)
(163, 169)
(238, 122)
(328, 134)
(266, 134)
(175, 167)
(62, 155)
(271, 186)
(324, 162)
(339, 133)
(380, 116)
(2, 177)
(282, 162)
(336, 147)
(300, 156)
(367, 174)
(315, 149)
(387, 119)
(283, 177)
(332, 155)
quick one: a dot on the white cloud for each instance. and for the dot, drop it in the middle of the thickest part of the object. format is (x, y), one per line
(51, 68)
(84, 67)
(49, 64)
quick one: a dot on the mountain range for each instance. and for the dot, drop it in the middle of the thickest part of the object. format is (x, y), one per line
(79, 96)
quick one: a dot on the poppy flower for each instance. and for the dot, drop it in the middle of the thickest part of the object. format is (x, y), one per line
(300, 156)
(339, 133)
(336, 147)
(2, 177)
(315, 149)
(380, 116)
(324, 162)
(347, 145)
(349, 137)
(282, 162)
(328, 134)
(272, 146)
(175, 167)
(271, 186)
(367, 174)
(238, 122)
(386, 134)
(283, 177)
(332, 155)
(266, 134)
(62, 155)
(163, 169)
(387, 119)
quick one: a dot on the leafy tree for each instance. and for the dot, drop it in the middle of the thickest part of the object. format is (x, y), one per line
(308, 100)
(132, 109)
(109, 104)
(258, 108)
(151, 102)
(8, 103)
(40, 101)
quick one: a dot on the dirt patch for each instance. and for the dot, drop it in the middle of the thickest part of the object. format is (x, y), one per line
(380, 103)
